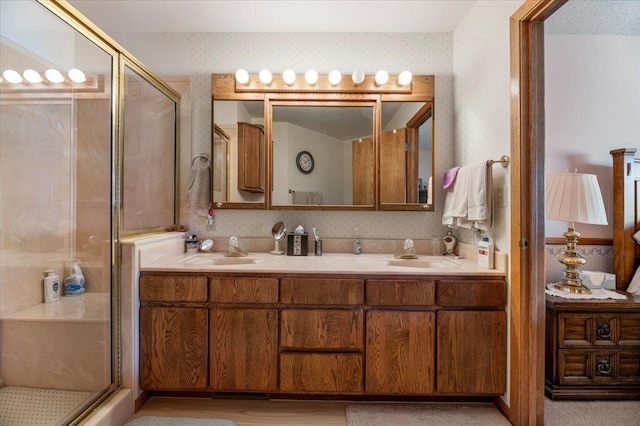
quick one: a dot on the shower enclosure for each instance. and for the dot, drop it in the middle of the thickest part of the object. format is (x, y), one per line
(87, 137)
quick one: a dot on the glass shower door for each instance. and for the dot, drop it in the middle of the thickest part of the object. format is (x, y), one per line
(56, 133)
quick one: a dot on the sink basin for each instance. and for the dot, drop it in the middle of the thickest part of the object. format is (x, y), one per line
(222, 261)
(423, 263)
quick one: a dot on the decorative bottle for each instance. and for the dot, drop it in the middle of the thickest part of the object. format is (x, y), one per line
(74, 284)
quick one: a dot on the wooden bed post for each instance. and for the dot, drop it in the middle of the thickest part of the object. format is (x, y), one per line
(625, 177)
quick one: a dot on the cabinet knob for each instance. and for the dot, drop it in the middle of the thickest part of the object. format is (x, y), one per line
(603, 367)
(603, 330)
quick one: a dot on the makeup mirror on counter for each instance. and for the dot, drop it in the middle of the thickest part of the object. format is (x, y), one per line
(323, 146)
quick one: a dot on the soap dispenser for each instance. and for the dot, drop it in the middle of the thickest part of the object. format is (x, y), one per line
(450, 242)
(74, 284)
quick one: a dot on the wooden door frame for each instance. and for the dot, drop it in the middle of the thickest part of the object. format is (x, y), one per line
(526, 405)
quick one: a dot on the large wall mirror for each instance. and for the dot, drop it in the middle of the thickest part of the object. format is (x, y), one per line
(322, 147)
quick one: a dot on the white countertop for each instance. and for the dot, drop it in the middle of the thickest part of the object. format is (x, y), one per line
(334, 263)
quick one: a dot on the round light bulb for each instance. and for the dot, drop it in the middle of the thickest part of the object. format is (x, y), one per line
(32, 76)
(404, 78)
(265, 77)
(76, 75)
(357, 76)
(381, 77)
(335, 77)
(242, 76)
(54, 76)
(12, 76)
(289, 77)
(311, 77)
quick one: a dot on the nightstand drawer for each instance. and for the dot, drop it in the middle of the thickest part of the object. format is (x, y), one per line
(607, 367)
(581, 330)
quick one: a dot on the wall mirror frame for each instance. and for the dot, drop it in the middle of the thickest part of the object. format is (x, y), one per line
(411, 174)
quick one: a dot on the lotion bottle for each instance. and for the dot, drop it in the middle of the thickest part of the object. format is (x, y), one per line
(485, 253)
(51, 286)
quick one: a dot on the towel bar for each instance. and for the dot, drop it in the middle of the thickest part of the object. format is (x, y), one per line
(504, 161)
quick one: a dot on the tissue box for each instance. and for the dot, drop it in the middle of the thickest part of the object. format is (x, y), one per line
(595, 279)
(297, 244)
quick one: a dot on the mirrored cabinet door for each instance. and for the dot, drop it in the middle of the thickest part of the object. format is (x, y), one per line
(406, 156)
(323, 155)
(239, 154)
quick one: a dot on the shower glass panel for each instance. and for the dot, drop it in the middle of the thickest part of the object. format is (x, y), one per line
(55, 206)
(149, 160)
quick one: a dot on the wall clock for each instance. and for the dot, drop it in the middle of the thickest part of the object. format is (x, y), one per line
(305, 162)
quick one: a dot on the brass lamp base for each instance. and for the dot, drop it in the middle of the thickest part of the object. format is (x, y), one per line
(570, 288)
(571, 259)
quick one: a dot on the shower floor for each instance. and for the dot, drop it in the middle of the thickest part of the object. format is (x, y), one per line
(31, 406)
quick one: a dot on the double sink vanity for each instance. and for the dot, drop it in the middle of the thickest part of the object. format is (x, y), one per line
(363, 325)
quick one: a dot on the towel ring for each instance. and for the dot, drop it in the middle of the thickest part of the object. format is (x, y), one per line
(204, 157)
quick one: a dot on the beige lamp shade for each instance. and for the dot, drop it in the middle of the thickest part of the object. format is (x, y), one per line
(574, 197)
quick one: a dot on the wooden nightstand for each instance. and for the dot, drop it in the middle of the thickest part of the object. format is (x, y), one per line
(592, 349)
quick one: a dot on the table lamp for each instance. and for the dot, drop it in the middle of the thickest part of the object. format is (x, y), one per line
(573, 197)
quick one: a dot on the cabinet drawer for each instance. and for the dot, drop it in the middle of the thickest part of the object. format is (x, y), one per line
(606, 367)
(173, 289)
(486, 294)
(405, 293)
(321, 329)
(311, 291)
(324, 372)
(244, 290)
(589, 330)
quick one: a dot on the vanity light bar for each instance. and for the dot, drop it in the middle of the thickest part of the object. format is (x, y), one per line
(51, 75)
(311, 81)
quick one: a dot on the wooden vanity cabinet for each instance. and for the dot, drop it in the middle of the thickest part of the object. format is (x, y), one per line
(323, 335)
(173, 333)
(243, 345)
(471, 332)
(400, 354)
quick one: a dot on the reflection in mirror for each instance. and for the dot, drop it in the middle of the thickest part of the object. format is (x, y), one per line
(149, 154)
(323, 155)
(406, 153)
(239, 167)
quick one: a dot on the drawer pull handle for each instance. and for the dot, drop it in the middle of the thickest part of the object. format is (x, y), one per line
(603, 331)
(603, 367)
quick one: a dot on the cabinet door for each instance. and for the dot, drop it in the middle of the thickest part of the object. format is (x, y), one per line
(173, 348)
(400, 352)
(244, 349)
(251, 158)
(472, 351)
(393, 166)
(362, 165)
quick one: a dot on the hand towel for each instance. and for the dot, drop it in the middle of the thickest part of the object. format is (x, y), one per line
(315, 197)
(449, 177)
(199, 191)
(300, 197)
(468, 201)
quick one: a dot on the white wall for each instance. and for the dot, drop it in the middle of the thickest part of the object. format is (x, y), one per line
(592, 101)
(482, 94)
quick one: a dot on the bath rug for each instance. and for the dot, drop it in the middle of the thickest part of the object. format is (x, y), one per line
(178, 421)
(424, 414)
